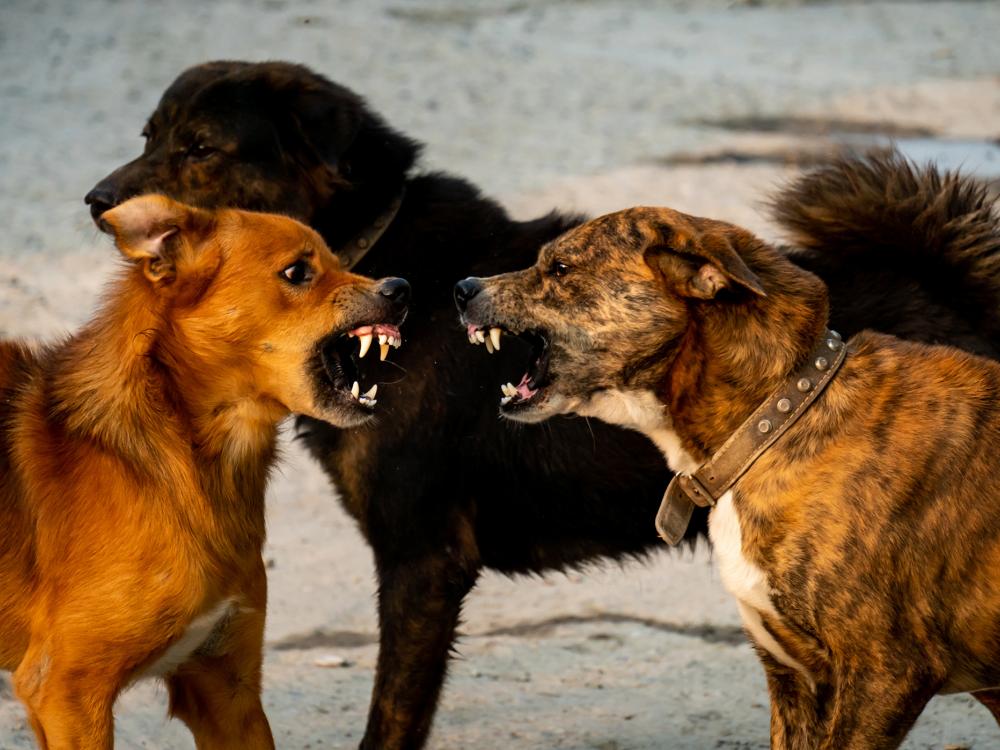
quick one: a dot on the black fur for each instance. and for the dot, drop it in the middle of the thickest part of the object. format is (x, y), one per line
(440, 487)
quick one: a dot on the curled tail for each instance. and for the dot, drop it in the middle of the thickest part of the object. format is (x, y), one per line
(927, 240)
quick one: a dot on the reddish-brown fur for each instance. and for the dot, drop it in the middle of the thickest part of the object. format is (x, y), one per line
(134, 461)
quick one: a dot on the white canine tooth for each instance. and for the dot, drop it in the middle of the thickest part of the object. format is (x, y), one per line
(371, 392)
(382, 339)
(355, 389)
(372, 403)
(495, 338)
(489, 346)
(366, 342)
(480, 336)
(505, 400)
(383, 351)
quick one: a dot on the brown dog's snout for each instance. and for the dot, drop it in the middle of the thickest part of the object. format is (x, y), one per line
(465, 290)
(397, 291)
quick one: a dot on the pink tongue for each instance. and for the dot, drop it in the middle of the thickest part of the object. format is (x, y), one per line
(523, 390)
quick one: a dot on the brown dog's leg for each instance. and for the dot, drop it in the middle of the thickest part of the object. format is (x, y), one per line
(218, 694)
(67, 707)
(419, 606)
(990, 699)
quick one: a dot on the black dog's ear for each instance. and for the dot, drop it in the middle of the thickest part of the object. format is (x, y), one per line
(699, 260)
(337, 127)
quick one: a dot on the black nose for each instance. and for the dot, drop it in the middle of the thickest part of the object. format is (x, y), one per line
(396, 290)
(100, 199)
(465, 290)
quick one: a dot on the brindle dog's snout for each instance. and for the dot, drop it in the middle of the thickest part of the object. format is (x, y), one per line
(465, 290)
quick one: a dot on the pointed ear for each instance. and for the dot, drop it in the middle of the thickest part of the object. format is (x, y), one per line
(701, 263)
(151, 230)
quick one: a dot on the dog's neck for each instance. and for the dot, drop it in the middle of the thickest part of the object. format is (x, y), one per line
(112, 385)
(734, 354)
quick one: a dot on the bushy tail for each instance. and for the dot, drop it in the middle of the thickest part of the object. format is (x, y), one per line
(882, 211)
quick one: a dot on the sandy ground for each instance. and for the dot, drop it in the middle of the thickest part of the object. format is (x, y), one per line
(583, 105)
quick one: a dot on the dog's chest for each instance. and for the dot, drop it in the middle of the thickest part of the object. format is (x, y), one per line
(745, 580)
(198, 634)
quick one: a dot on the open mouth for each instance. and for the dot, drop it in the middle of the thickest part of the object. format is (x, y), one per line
(341, 355)
(535, 379)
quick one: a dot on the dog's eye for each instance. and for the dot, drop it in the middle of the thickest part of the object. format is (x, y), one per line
(298, 273)
(200, 151)
(558, 268)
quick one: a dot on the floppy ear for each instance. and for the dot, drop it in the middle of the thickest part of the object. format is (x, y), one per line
(151, 230)
(701, 263)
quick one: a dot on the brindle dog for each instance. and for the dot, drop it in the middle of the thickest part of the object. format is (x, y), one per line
(863, 545)
(897, 249)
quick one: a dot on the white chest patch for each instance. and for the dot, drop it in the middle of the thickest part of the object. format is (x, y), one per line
(196, 634)
(744, 580)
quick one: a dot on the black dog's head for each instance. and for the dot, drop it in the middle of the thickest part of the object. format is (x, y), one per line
(267, 136)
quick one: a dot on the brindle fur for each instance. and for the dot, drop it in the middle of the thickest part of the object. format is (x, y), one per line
(287, 139)
(876, 517)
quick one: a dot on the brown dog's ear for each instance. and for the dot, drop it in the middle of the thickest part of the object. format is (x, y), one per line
(151, 230)
(699, 264)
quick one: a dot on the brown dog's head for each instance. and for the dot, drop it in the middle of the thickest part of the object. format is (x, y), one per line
(264, 137)
(606, 304)
(253, 308)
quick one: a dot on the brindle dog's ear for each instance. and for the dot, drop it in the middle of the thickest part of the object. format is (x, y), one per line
(698, 262)
(151, 229)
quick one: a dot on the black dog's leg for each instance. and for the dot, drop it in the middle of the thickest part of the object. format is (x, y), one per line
(420, 602)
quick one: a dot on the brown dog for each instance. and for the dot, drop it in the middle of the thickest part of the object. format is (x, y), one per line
(135, 457)
(863, 544)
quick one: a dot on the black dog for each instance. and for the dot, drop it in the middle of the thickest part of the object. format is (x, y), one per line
(440, 487)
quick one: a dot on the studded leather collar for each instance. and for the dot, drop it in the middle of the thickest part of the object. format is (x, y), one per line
(351, 252)
(771, 419)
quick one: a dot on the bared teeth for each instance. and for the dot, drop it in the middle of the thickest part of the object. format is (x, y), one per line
(489, 345)
(355, 389)
(509, 390)
(371, 392)
(366, 341)
(480, 336)
(383, 349)
(506, 400)
(382, 338)
(495, 338)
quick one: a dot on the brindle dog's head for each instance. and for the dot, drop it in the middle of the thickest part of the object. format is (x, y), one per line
(605, 305)
(265, 137)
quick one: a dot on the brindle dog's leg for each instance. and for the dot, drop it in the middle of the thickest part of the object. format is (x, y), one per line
(420, 602)
(874, 711)
(990, 699)
(794, 722)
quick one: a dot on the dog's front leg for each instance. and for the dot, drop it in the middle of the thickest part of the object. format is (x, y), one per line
(217, 691)
(419, 602)
(69, 701)
(794, 720)
(874, 710)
